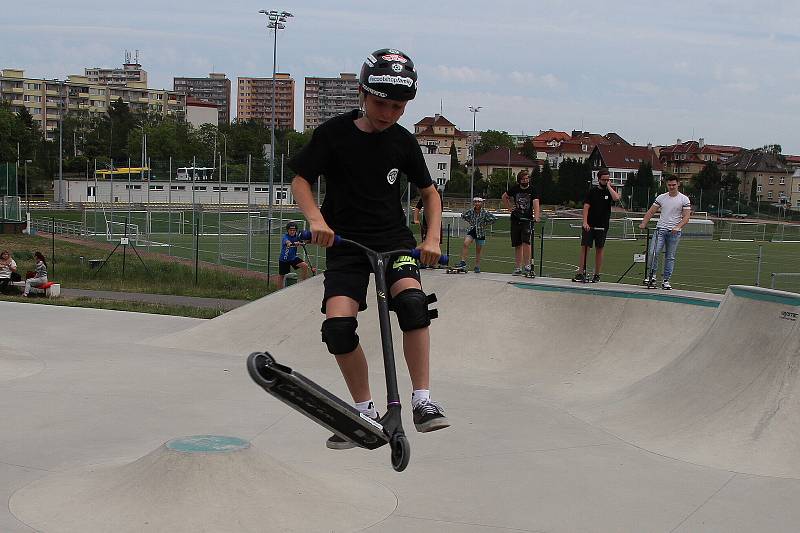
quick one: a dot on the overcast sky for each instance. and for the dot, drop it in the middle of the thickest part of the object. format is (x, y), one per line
(727, 71)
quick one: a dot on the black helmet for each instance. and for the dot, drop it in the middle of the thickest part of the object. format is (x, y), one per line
(291, 225)
(389, 73)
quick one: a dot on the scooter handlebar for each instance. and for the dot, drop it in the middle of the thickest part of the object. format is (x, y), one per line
(305, 235)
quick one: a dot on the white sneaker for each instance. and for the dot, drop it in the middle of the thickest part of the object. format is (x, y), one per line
(517, 272)
(665, 285)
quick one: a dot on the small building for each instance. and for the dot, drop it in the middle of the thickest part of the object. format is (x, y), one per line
(623, 161)
(439, 134)
(773, 177)
(795, 190)
(439, 168)
(503, 159)
(199, 112)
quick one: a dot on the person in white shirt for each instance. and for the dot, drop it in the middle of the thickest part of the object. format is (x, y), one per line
(8, 271)
(675, 209)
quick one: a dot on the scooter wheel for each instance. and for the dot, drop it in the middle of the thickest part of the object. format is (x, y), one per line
(401, 452)
(261, 361)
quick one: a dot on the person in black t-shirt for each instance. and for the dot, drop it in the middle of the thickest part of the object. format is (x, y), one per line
(523, 202)
(361, 155)
(419, 217)
(596, 216)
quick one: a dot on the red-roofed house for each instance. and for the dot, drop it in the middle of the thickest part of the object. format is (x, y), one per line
(580, 146)
(438, 134)
(792, 161)
(502, 159)
(685, 159)
(623, 160)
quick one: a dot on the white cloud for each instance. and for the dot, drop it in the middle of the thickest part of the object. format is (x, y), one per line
(465, 74)
(550, 81)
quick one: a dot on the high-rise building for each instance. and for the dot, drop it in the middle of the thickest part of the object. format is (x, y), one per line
(131, 72)
(47, 100)
(216, 88)
(254, 100)
(324, 98)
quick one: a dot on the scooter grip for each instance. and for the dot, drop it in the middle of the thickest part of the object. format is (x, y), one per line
(443, 259)
(305, 235)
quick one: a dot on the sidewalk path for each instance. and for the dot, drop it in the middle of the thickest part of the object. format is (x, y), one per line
(165, 299)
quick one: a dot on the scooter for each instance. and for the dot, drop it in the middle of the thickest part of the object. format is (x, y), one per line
(330, 411)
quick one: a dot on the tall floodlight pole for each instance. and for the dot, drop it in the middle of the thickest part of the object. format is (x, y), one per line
(474, 110)
(277, 21)
(60, 147)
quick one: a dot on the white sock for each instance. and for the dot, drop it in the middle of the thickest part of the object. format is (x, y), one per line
(368, 408)
(419, 396)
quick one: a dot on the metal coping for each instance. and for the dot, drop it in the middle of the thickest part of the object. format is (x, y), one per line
(688, 300)
(207, 444)
(766, 295)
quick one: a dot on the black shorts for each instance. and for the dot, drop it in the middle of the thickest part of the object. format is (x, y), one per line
(520, 233)
(596, 236)
(283, 266)
(347, 274)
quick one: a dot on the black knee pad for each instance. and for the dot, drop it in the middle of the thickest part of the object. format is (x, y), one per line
(339, 333)
(411, 307)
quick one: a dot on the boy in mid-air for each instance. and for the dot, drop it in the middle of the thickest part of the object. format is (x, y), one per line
(361, 154)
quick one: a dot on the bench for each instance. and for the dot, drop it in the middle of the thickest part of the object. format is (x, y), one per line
(49, 289)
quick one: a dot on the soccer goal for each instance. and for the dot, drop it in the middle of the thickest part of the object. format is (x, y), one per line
(786, 233)
(563, 228)
(117, 230)
(745, 232)
(167, 222)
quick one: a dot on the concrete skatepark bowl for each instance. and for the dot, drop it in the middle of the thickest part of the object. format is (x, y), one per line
(573, 408)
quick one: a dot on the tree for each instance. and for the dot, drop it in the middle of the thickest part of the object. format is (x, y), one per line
(708, 180)
(754, 190)
(454, 163)
(641, 186)
(528, 150)
(772, 149)
(573, 180)
(498, 182)
(546, 183)
(492, 139)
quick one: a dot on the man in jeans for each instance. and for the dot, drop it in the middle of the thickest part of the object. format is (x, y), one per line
(675, 209)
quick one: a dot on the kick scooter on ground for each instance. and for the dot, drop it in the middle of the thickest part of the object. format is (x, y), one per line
(330, 411)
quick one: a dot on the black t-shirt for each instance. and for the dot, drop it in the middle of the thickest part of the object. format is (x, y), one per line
(600, 203)
(363, 198)
(523, 198)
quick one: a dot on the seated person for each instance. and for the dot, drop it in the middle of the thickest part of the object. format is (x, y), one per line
(8, 271)
(40, 278)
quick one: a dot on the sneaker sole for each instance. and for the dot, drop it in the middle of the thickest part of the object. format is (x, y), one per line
(432, 425)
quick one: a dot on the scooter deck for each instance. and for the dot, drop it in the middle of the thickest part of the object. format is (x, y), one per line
(305, 396)
(456, 270)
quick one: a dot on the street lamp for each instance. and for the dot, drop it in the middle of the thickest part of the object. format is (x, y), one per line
(474, 110)
(277, 21)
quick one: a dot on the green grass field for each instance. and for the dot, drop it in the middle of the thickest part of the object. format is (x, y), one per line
(701, 265)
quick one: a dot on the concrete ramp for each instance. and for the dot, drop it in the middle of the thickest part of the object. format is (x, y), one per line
(202, 483)
(730, 399)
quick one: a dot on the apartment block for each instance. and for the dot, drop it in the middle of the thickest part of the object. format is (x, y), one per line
(216, 88)
(325, 98)
(118, 77)
(47, 99)
(254, 100)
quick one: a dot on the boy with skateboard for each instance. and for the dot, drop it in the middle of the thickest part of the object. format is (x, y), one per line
(288, 257)
(478, 218)
(596, 217)
(523, 202)
(361, 155)
(675, 209)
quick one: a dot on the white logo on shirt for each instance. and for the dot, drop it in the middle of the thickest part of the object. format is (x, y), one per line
(391, 177)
